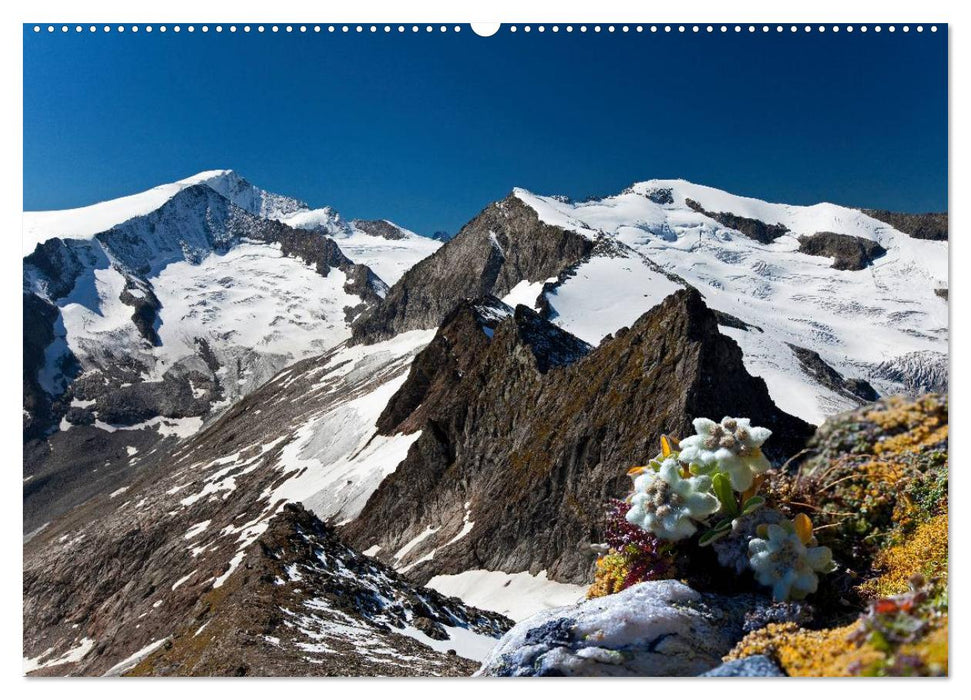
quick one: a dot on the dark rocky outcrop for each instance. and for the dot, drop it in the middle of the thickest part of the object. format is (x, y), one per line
(503, 245)
(931, 226)
(146, 305)
(752, 228)
(536, 454)
(379, 228)
(729, 321)
(303, 603)
(812, 364)
(850, 252)
(39, 319)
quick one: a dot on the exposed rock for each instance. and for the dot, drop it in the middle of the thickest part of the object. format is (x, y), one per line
(816, 367)
(39, 317)
(379, 228)
(301, 603)
(849, 252)
(752, 228)
(535, 455)
(941, 292)
(439, 368)
(931, 226)
(149, 526)
(756, 666)
(726, 319)
(657, 628)
(503, 245)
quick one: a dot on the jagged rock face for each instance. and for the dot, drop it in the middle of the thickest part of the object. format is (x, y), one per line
(530, 457)
(849, 252)
(303, 603)
(657, 628)
(94, 321)
(438, 370)
(858, 389)
(505, 244)
(753, 228)
(931, 226)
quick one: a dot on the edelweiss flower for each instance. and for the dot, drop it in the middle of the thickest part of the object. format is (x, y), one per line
(666, 503)
(733, 447)
(784, 562)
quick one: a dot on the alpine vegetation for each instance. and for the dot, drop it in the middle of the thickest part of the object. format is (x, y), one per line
(718, 472)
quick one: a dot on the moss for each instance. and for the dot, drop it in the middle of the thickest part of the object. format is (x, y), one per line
(900, 635)
(876, 475)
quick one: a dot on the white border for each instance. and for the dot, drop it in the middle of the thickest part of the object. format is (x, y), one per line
(438, 11)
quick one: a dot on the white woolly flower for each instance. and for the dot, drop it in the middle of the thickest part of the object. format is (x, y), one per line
(783, 562)
(667, 504)
(733, 447)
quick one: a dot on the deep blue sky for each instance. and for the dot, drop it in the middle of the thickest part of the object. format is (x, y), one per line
(426, 129)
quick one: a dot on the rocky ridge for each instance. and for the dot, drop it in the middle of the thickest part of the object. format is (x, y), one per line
(519, 450)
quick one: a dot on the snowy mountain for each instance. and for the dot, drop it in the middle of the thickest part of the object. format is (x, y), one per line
(148, 315)
(757, 262)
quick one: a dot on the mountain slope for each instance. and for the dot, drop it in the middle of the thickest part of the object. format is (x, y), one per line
(527, 433)
(128, 568)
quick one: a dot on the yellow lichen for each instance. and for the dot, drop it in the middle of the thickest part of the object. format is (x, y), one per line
(924, 553)
(910, 425)
(612, 570)
(801, 652)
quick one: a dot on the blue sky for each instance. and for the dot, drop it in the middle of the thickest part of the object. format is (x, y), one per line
(426, 129)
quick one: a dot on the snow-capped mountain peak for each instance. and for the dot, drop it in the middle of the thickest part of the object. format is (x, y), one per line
(85, 222)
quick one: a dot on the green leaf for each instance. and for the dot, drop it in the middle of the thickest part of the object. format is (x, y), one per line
(723, 525)
(752, 504)
(710, 536)
(723, 489)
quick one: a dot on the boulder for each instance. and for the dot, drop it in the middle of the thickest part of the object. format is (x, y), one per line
(656, 628)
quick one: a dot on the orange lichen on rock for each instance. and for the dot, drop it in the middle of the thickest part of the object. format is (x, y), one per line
(801, 652)
(911, 426)
(924, 553)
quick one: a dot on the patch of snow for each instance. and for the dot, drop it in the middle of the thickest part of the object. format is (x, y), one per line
(69, 657)
(133, 660)
(517, 595)
(525, 293)
(463, 642)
